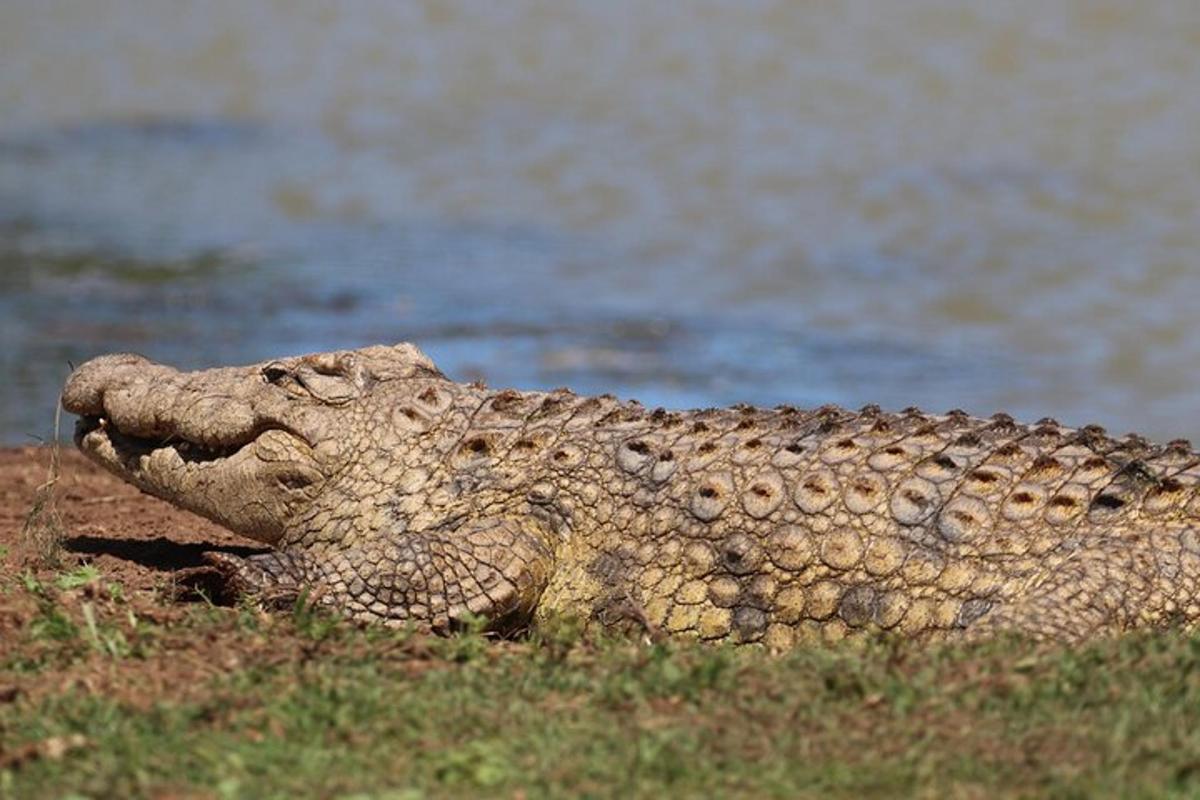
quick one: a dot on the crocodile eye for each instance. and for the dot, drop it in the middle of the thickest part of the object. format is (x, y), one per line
(330, 383)
(274, 373)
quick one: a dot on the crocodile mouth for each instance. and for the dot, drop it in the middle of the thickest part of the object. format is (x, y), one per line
(98, 435)
(228, 453)
(248, 484)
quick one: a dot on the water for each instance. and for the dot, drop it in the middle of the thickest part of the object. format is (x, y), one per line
(949, 204)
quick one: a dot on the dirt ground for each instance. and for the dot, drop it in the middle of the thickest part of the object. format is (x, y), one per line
(147, 559)
(140, 541)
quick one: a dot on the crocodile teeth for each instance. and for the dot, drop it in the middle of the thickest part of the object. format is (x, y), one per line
(200, 451)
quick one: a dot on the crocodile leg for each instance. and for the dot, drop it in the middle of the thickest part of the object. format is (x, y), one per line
(272, 578)
(431, 579)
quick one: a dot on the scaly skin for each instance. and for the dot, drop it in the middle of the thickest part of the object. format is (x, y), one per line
(393, 494)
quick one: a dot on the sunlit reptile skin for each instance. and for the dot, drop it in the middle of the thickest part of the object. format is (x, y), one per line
(396, 495)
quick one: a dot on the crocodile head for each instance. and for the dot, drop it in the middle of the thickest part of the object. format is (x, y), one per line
(247, 447)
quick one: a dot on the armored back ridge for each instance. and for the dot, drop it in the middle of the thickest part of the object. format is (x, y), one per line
(396, 495)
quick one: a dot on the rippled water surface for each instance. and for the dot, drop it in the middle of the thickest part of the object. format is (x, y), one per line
(949, 204)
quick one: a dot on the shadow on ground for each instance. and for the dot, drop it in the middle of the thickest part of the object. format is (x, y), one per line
(161, 553)
(192, 578)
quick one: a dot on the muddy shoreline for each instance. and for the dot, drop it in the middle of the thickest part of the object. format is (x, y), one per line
(139, 541)
(132, 566)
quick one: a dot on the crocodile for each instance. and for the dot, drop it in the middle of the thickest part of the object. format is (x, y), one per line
(392, 494)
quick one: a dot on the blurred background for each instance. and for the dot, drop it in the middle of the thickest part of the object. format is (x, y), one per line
(949, 204)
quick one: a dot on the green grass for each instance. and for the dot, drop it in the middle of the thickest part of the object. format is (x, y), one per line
(311, 707)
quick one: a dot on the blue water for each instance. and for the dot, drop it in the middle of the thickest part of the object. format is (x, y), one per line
(932, 203)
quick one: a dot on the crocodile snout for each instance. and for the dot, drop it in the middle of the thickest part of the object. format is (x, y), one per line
(224, 443)
(85, 388)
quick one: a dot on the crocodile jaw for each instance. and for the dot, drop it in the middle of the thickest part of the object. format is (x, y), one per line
(214, 442)
(250, 488)
(252, 448)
